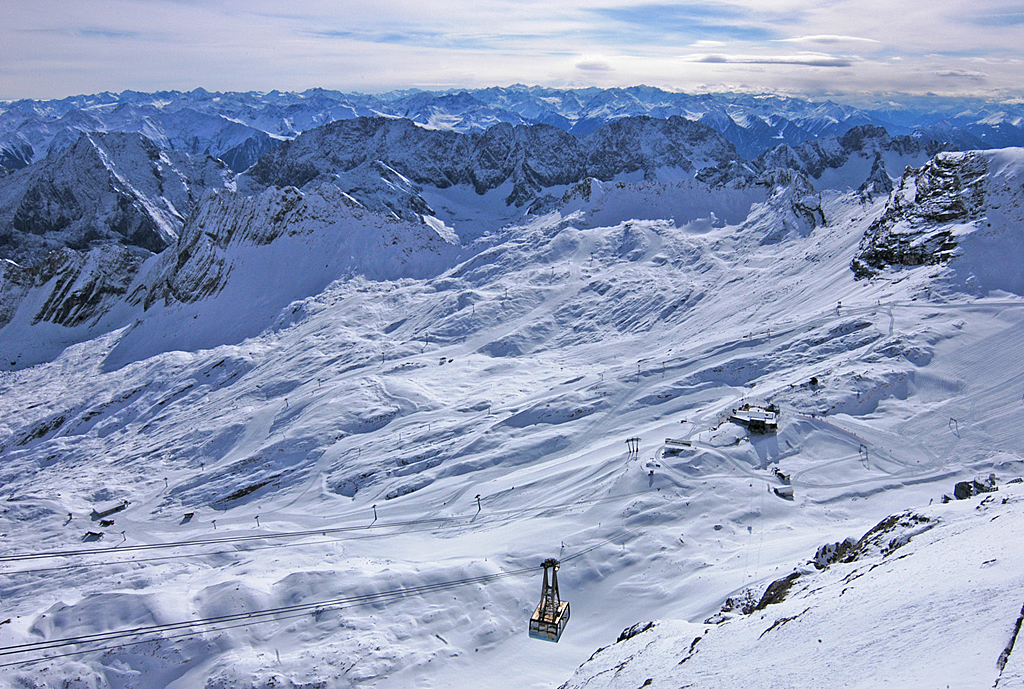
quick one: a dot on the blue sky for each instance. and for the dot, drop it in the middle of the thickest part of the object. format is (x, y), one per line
(859, 48)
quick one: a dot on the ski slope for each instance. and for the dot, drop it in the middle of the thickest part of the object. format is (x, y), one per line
(337, 454)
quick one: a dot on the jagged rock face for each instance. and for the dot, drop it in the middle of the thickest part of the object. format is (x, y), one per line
(920, 218)
(645, 143)
(878, 182)
(384, 190)
(793, 196)
(82, 286)
(197, 266)
(420, 154)
(77, 287)
(15, 282)
(813, 158)
(532, 158)
(200, 262)
(104, 188)
(529, 158)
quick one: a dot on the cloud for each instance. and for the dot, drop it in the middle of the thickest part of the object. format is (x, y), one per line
(593, 66)
(1003, 18)
(712, 20)
(53, 48)
(90, 32)
(961, 74)
(803, 59)
(827, 39)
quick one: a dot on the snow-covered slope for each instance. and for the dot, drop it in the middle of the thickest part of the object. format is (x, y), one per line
(250, 256)
(387, 447)
(930, 597)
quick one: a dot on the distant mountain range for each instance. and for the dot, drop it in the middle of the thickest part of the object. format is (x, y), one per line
(239, 127)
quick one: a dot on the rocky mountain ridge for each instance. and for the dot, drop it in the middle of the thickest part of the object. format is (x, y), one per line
(123, 190)
(924, 213)
(106, 187)
(526, 159)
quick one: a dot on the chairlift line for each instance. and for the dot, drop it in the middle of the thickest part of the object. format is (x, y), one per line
(258, 616)
(214, 624)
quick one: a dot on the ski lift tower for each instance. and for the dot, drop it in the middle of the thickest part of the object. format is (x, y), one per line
(552, 613)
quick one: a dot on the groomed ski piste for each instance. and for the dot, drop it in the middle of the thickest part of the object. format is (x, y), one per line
(375, 473)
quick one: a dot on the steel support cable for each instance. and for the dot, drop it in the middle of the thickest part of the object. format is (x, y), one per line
(269, 615)
(261, 615)
(157, 639)
(225, 622)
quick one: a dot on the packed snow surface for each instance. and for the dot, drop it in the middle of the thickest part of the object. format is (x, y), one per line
(360, 492)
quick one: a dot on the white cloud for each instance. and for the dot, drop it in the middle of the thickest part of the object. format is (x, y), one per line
(53, 48)
(827, 39)
(806, 59)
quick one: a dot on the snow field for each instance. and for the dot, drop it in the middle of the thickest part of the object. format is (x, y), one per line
(516, 375)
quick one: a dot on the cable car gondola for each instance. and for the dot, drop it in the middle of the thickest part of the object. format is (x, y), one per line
(552, 613)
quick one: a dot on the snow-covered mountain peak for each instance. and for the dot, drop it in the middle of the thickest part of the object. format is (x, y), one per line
(105, 186)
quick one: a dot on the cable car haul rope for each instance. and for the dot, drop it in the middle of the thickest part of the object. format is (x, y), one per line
(177, 630)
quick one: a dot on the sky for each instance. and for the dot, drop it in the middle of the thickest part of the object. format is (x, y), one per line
(52, 49)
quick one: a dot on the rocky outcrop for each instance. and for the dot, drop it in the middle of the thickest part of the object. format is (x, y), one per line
(878, 182)
(922, 216)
